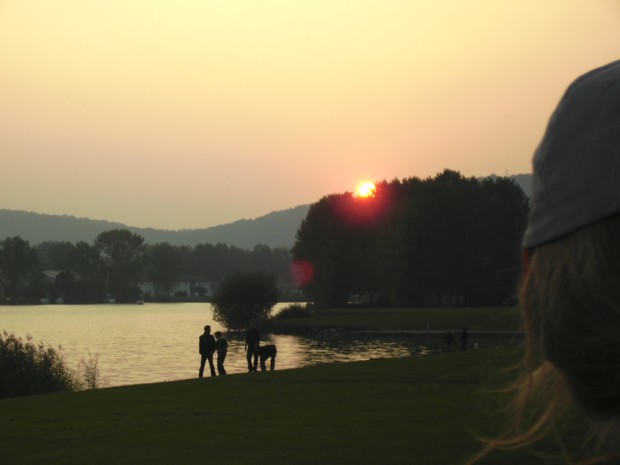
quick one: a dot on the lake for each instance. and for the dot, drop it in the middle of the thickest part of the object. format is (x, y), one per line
(150, 343)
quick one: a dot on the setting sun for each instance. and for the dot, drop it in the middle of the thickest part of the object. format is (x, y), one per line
(365, 189)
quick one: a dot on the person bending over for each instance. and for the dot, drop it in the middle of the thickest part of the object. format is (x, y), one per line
(265, 353)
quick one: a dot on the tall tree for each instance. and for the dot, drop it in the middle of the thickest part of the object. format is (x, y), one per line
(506, 218)
(442, 240)
(122, 253)
(321, 242)
(338, 240)
(55, 255)
(18, 260)
(165, 264)
(86, 261)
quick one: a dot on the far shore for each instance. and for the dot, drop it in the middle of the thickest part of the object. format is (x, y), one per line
(431, 321)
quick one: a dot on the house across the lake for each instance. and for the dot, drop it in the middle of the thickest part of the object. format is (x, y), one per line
(185, 287)
(201, 289)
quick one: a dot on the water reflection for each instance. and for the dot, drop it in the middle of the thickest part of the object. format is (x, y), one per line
(159, 342)
(301, 351)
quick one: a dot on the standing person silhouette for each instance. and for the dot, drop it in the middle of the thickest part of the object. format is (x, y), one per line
(464, 337)
(206, 347)
(221, 347)
(570, 291)
(252, 341)
(449, 340)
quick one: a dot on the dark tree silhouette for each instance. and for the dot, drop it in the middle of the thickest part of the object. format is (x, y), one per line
(54, 255)
(447, 240)
(122, 254)
(18, 260)
(244, 299)
(165, 264)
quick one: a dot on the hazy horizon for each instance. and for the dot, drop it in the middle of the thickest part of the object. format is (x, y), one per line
(205, 227)
(187, 115)
(107, 220)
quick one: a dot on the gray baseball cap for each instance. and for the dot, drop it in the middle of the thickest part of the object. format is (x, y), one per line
(577, 164)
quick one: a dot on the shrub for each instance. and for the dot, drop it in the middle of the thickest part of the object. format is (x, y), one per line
(243, 299)
(27, 368)
(88, 376)
(293, 311)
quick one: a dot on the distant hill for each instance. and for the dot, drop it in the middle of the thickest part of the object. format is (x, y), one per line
(276, 229)
(523, 180)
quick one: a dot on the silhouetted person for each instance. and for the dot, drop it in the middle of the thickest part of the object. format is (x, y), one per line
(252, 340)
(265, 353)
(449, 339)
(221, 347)
(206, 347)
(464, 337)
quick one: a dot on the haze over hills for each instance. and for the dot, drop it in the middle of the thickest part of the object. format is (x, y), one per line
(276, 229)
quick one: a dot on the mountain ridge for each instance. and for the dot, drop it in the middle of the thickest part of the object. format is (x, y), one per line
(275, 229)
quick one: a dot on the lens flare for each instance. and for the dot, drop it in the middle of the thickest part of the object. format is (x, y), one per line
(302, 271)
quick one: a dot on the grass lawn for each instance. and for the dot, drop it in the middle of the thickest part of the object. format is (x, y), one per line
(406, 319)
(414, 410)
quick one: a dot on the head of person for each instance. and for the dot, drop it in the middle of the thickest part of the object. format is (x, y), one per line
(217, 334)
(207, 329)
(570, 292)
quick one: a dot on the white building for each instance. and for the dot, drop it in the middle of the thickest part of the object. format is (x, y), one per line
(187, 287)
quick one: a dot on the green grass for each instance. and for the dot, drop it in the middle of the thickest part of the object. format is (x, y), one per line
(414, 410)
(406, 319)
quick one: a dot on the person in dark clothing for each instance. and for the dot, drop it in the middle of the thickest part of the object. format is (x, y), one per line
(464, 337)
(448, 340)
(252, 341)
(221, 347)
(265, 353)
(206, 347)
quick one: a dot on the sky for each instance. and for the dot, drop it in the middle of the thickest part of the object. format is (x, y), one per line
(194, 113)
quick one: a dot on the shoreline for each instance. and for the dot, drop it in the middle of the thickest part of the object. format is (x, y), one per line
(439, 332)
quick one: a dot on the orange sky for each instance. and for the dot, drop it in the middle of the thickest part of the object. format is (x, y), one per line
(187, 113)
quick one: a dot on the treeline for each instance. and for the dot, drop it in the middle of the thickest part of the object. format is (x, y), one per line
(447, 240)
(116, 262)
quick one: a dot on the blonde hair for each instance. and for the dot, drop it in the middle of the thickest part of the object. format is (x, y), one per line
(570, 302)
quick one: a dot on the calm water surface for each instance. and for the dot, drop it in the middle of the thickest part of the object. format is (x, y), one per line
(159, 342)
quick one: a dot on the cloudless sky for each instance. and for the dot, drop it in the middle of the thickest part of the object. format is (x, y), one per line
(192, 113)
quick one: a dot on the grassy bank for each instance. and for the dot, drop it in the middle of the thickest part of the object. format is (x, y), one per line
(422, 410)
(405, 319)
